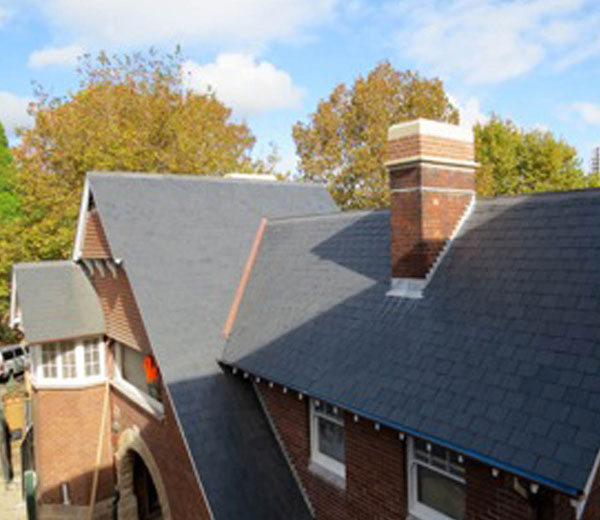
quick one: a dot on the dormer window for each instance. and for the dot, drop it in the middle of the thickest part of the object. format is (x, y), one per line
(72, 362)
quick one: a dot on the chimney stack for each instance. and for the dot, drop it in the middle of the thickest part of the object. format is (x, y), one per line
(432, 179)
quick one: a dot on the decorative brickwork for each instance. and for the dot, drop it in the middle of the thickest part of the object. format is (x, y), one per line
(429, 146)
(95, 244)
(121, 314)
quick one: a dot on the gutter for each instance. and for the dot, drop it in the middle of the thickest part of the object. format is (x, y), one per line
(558, 486)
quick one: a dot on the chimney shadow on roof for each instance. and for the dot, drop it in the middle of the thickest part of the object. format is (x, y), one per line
(500, 321)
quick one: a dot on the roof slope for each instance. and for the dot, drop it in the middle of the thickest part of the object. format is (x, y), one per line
(184, 242)
(500, 359)
(57, 301)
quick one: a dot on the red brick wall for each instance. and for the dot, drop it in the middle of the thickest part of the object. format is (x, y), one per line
(95, 244)
(67, 424)
(376, 474)
(121, 314)
(164, 440)
(592, 508)
(375, 464)
(420, 225)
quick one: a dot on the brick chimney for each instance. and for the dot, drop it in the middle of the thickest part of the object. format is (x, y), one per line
(432, 180)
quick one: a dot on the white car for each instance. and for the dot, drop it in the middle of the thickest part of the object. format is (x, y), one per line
(13, 360)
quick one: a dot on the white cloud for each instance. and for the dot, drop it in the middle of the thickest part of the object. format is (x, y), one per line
(490, 41)
(233, 23)
(469, 109)
(590, 112)
(248, 86)
(66, 56)
(13, 111)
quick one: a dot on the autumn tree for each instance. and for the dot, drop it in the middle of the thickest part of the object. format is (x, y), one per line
(130, 113)
(514, 160)
(343, 144)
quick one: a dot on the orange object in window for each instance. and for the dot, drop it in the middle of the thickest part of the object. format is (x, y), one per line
(151, 369)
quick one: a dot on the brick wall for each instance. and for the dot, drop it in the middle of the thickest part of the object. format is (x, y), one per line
(164, 440)
(376, 474)
(420, 225)
(427, 145)
(375, 464)
(67, 424)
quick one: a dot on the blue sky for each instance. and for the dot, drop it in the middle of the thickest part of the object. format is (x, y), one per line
(535, 61)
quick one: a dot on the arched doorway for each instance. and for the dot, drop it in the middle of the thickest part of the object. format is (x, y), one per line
(142, 492)
(148, 505)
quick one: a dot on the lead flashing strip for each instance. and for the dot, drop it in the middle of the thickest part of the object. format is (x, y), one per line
(239, 292)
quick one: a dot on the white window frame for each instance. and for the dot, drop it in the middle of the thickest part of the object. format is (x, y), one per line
(416, 508)
(317, 456)
(143, 399)
(41, 381)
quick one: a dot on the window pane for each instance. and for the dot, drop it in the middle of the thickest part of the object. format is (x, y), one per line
(69, 362)
(92, 358)
(49, 360)
(441, 493)
(331, 439)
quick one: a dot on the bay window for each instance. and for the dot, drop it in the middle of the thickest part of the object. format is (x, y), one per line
(71, 362)
(436, 482)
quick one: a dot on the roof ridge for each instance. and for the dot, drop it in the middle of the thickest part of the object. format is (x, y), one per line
(196, 177)
(325, 216)
(576, 192)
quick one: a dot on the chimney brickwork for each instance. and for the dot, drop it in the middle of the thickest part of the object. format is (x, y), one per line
(432, 181)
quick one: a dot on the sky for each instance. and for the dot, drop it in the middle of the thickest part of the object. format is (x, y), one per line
(534, 61)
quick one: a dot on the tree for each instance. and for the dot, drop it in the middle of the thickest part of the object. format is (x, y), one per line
(131, 113)
(343, 144)
(515, 161)
(9, 202)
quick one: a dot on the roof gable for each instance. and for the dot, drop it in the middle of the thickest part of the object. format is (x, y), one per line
(184, 241)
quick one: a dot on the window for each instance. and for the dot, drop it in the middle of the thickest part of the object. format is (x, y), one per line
(91, 358)
(50, 360)
(436, 482)
(328, 445)
(68, 362)
(138, 370)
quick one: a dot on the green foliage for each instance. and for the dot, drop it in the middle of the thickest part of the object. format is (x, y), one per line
(515, 161)
(9, 202)
(343, 144)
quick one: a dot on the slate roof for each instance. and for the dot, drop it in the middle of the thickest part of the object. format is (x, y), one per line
(184, 242)
(500, 359)
(57, 301)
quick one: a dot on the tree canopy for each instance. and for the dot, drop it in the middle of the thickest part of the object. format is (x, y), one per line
(9, 202)
(343, 144)
(515, 161)
(130, 113)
